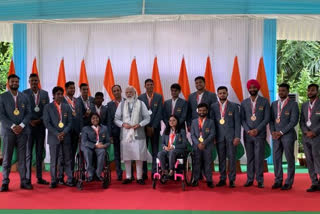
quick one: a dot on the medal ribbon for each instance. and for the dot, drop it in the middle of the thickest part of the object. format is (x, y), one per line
(171, 139)
(253, 106)
(15, 98)
(96, 130)
(37, 99)
(281, 106)
(71, 103)
(201, 122)
(310, 107)
(150, 100)
(58, 107)
(223, 108)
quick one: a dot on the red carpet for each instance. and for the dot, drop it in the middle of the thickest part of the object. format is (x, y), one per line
(134, 196)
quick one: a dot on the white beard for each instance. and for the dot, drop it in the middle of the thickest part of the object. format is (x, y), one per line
(130, 100)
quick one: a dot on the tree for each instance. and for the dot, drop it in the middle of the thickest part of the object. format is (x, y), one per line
(6, 53)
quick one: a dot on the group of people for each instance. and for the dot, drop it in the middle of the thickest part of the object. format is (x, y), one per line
(133, 122)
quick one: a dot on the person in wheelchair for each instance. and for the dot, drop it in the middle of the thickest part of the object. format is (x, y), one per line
(94, 139)
(174, 143)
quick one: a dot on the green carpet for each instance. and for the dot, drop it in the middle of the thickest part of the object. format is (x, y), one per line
(134, 212)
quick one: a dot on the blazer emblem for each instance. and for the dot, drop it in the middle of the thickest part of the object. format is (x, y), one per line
(230, 113)
(207, 130)
(287, 113)
(178, 109)
(260, 108)
(65, 115)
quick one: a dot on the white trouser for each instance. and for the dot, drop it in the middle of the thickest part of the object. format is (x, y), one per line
(127, 165)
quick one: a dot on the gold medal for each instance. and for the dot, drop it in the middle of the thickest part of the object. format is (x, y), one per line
(253, 118)
(222, 121)
(61, 125)
(16, 112)
(278, 120)
(74, 113)
(200, 139)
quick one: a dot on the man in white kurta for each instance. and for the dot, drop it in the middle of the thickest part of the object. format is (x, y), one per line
(131, 116)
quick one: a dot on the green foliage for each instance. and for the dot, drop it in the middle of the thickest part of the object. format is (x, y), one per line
(298, 65)
(6, 53)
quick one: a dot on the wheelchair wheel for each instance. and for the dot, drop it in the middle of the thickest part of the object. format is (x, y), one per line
(77, 168)
(188, 175)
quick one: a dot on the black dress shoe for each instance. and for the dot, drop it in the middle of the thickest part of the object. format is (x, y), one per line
(313, 188)
(248, 184)
(260, 185)
(42, 181)
(70, 184)
(127, 181)
(26, 186)
(141, 182)
(90, 178)
(195, 183)
(4, 188)
(221, 183)
(28, 181)
(119, 178)
(286, 187)
(276, 185)
(145, 177)
(53, 185)
(232, 184)
(210, 184)
(61, 181)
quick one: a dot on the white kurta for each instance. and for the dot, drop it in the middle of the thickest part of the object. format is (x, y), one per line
(133, 142)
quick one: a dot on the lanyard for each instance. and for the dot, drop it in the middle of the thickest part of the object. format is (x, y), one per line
(281, 106)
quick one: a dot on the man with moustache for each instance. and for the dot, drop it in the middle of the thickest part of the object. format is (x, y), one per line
(153, 101)
(200, 96)
(114, 130)
(15, 115)
(226, 116)
(310, 126)
(284, 118)
(57, 117)
(175, 106)
(132, 116)
(77, 123)
(202, 135)
(85, 103)
(38, 99)
(255, 115)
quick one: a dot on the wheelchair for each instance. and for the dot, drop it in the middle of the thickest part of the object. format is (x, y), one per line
(81, 175)
(182, 170)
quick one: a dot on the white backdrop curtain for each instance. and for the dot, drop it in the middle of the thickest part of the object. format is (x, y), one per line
(221, 39)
